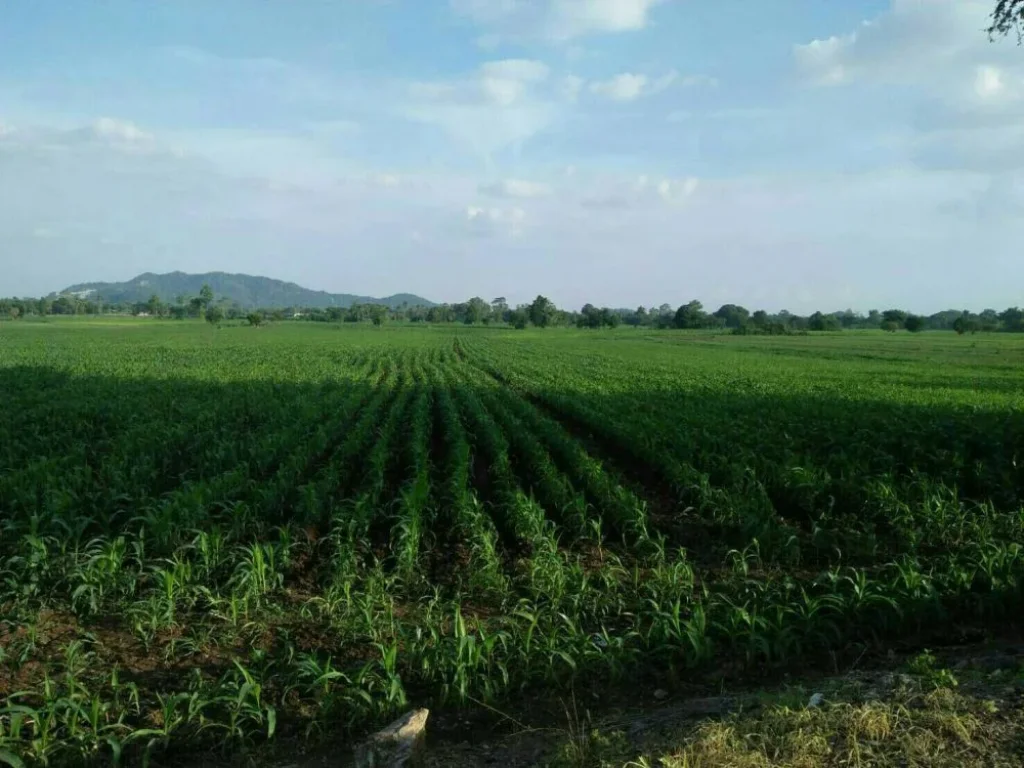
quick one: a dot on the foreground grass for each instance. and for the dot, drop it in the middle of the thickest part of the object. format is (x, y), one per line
(925, 716)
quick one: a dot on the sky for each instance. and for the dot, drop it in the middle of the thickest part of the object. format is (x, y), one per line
(798, 154)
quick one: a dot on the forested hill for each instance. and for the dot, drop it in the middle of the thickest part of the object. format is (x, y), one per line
(245, 290)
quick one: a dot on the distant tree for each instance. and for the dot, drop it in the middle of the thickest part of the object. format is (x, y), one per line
(1012, 320)
(477, 311)
(519, 317)
(944, 320)
(914, 323)
(822, 322)
(64, 305)
(874, 319)
(890, 325)
(499, 309)
(14, 312)
(897, 316)
(733, 315)
(277, 315)
(154, 306)
(966, 324)
(640, 317)
(214, 314)
(542, 312)
(609, 319)
(255, 319)
(195, 307)
(378, 314)
(178, 312)
(589, 317)
(691, 315)
(759, 318)
(988, 320)
(847, 318)
(206, 295)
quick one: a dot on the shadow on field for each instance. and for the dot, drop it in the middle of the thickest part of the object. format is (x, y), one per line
(108, 446)
(798, 447)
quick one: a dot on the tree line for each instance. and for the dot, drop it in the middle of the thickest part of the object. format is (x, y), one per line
(540, 313)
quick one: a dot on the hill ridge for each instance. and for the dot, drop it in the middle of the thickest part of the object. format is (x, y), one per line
(248, 291)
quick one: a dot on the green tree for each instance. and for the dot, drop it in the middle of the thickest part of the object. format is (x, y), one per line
(14, 312)
(609, 319)
(154, 306)
(897, 316)
(378, 314)
(519, 317)
(966, 324)
(542, 312)
(890, 325)
(759, 318)
(733, 315)
(589, 317)
(477, 311)
(691, 315)
(499, 308)
(1012, 319)
(206, 295)
(255, 319)
(822, 322)
(214, 314)
(914, 323)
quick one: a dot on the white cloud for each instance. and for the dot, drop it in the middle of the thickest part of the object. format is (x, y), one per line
(520, 70)
(961, 93)
(677, 190)
(516, 188)
(555, 20)
(642, 193)
(989, 82)
(500, 105)
(571, 87)
(629, 86)
(119, 130)
(916, 43)
(624, 87)
(491, 221)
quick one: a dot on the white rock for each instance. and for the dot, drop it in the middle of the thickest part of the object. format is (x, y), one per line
(398, 745)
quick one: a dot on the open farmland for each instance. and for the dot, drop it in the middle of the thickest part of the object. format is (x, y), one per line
(214, 538)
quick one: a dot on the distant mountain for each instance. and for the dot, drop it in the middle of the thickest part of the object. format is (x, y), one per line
(246, 290)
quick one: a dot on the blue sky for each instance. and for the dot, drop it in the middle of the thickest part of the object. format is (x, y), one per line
(800, 154)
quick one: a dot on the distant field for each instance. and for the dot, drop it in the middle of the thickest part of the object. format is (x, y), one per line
(213, 537)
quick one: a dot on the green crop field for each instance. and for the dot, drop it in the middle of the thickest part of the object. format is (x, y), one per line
(217, 540)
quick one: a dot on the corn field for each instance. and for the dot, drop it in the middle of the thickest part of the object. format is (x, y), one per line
(217, 540)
